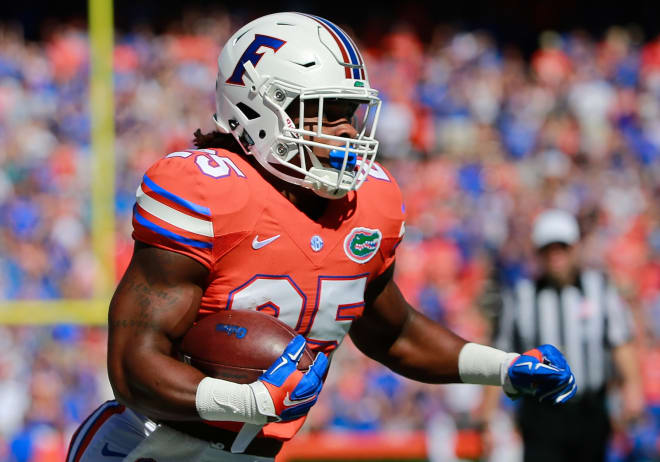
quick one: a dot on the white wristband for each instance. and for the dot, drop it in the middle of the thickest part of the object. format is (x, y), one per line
(218, 399)
(484, 365)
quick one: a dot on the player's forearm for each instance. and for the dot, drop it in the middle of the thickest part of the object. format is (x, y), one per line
(156, 385)
(425, 351)
(395, 334)
(163, 388)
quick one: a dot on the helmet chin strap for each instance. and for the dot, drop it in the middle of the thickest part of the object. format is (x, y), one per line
(322, 189)
(331, 175)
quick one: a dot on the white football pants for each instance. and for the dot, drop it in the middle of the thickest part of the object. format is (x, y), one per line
(116, 433)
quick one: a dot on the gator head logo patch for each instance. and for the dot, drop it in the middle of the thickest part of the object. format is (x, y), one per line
(361, 244)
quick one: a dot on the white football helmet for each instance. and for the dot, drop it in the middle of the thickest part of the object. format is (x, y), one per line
(285, 57)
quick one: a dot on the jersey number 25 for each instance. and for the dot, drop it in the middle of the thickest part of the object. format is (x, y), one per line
(324, 321)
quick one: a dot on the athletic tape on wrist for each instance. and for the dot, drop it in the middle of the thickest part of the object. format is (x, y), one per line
(484, 365)
(218, 399)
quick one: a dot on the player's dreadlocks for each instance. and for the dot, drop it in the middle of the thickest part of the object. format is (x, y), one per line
(216, 139)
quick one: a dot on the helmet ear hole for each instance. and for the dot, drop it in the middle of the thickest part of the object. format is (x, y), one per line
(262, 134)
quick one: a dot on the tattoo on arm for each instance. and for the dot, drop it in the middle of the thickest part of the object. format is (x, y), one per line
(148, 299)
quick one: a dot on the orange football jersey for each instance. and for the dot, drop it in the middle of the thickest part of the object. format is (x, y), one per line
(264, 254)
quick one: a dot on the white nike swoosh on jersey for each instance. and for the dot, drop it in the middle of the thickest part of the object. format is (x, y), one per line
(257, 244)
(287, 402)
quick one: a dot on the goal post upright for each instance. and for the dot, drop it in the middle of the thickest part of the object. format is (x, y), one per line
(91, 311)
(101, 25)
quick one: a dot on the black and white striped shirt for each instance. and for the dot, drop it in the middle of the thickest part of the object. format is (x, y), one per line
(584, 320)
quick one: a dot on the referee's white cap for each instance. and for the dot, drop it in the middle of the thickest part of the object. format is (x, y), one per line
(555, 225)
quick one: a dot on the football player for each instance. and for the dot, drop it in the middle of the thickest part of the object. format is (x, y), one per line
(282, 210)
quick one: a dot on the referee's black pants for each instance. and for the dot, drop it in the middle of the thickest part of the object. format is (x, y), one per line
(577, 431)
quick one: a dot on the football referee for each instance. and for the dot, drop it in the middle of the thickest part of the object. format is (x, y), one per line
(578, 310)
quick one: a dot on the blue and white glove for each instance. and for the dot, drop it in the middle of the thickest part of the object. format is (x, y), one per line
(541, 373)
(285, 393)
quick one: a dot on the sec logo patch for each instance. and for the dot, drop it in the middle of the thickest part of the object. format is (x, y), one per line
(361, 244)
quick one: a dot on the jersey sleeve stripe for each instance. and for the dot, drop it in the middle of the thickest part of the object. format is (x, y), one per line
(168, 234)
(199, 209)
(173, 216)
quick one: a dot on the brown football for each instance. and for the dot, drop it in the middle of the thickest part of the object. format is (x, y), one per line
(237, 345)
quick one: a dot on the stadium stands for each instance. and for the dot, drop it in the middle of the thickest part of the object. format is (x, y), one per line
(478, 138)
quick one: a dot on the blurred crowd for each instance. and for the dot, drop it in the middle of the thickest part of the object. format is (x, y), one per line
(479, 137)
